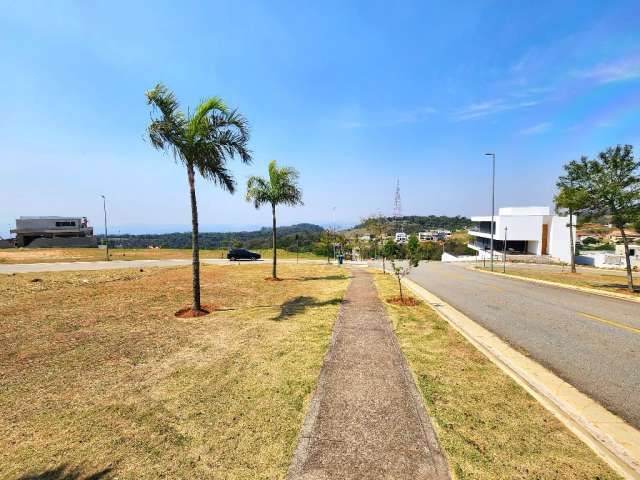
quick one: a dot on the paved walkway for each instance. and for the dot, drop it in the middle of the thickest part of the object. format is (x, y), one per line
(366, 419)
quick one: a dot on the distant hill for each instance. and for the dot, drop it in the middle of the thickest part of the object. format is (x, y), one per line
(414, 223)
(307, 232)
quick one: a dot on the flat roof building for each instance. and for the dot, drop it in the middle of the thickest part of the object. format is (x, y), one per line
(529, 230)
(53, 232)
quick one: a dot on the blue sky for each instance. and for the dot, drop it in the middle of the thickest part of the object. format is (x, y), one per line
(353, 94)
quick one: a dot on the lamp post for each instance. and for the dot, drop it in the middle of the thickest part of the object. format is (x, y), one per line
(106, 235)
(493, 191)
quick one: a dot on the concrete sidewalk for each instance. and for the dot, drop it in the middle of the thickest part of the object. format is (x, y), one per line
(366, 419)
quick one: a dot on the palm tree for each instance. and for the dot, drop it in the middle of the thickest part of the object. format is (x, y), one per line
(281, 188)
(202, 142)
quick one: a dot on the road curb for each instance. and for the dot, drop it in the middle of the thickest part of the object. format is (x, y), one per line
(610, 437)
(595, 291)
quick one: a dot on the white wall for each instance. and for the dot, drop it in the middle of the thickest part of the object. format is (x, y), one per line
(519, 227)
(559, 239)
(447, 257)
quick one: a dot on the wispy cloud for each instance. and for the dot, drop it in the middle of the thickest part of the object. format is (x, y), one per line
(536, 129)
(619, 71)
(397, 118)
(491, 107)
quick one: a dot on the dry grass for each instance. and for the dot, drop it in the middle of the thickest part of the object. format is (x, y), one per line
(97, 373)
(47, 255)
(488, 426)
(609, 282)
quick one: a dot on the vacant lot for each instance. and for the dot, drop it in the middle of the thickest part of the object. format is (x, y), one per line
(97, 373)
(601, 280)
(45, 255)
(488, 426)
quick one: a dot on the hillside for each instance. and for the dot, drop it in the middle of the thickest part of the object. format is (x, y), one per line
(308, 233)
(412, 224)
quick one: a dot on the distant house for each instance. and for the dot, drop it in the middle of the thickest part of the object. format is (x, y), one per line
(401, 238)
(54, 232)
(365, 238)
(615, 236)
(529, 230)
(433, 236)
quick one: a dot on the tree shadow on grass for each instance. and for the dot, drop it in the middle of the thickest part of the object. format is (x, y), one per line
(300, 304)
(620, 286)
(63, 472)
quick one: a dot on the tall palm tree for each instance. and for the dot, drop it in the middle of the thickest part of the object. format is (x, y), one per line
(202, 142)
(281, 188)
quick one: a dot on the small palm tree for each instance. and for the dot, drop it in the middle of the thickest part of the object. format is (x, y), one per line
(202, 142)
(281, 188)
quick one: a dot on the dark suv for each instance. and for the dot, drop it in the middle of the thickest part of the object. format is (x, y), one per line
(242, 254)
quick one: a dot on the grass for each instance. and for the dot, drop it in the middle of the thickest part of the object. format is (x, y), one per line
(608, 282)
(488, 426)
(47, 255)
(98, 375)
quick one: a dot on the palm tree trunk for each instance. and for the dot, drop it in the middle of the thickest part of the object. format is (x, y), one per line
(195, 244)
(273, 236)
(572, 242)
(627, 259)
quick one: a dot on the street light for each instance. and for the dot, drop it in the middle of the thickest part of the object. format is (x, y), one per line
(106, 235)
(493, 191)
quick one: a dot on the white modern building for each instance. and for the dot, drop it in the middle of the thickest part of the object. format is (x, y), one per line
(528, 230)
(401, 238)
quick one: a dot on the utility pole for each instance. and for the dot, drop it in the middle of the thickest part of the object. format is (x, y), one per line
(297, 237)
(493, 206)
(504, 252)
(106, 235)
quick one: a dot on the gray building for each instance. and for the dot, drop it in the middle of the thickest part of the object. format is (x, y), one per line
(54, 232)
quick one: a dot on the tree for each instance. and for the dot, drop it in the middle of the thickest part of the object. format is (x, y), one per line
(281, 188)
(203, 141)
(413, 245)
(400, 271)
(571, 198)
(389, 251)
(612, 187)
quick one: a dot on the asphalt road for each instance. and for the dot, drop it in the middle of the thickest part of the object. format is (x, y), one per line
(591, 341)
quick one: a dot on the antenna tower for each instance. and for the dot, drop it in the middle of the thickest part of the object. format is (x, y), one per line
(397, 207)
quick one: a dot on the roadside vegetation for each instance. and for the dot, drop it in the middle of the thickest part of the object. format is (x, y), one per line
(97, 373)
(488, 426)
(608, 185)
(599, 279)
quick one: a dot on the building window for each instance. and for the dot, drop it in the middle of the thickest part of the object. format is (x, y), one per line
(65, 224)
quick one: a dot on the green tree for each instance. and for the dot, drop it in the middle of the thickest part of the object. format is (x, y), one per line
(612, 187)
(280, 188)
(413, 244)
(203, 141)
(572, 199)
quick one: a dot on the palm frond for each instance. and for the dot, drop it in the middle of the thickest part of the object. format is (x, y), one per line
(280, 188)
(258, 191)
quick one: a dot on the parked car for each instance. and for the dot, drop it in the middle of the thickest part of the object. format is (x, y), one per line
(242, 254)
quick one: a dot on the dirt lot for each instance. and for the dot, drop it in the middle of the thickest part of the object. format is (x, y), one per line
(99, 376)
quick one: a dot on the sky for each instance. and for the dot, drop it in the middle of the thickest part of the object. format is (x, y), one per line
(355, 95)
